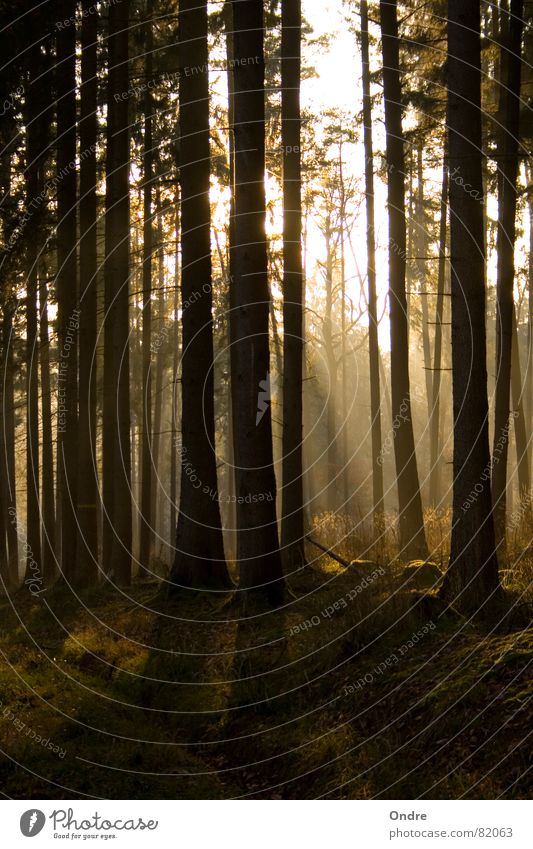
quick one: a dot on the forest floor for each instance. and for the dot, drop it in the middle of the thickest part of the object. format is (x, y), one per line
(348, 691)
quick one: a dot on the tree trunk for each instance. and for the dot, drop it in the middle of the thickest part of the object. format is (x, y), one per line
(373, 341)
(507, 176)
(67, 292)
(9, 553)
(331, 363)
(175, 365)
(412, 535)
(258, 546)
(231, 521)
(346, 461)
(48, 518)
(146, 518)
(520, 430)
(421, 243)
(472, 575)
(159, 369)
(434, 420)
(529, 371)
(116, 434)
(292, 521)
(33, 190)
(88, 476)
(199, 560)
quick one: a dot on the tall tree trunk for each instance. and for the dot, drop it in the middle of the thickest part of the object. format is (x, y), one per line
(373, 341)
(331, 363)
(231, 531)
(346, 464)
(529, 370)
(88, 477)
(146, 518)
(421, 250)
(116, 434)
(510, 61)
(175, 365)
(292, 520)
(434, 420)
(48, 538)
(160, 358)
(472, 575)
(8, 490)
(67, 291)
(9, 554)
(412, 535)
(520, 430)
(33, 188)
(258, 546)
(199, 560)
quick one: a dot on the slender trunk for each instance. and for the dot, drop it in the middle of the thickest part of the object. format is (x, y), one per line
(48, 536)
(520, 430)
(344, 365)
(116, 435)
(146, 518)
(199, 560)
(507, 177)
(9, 542)
(472, 575)
(412, 535)
(258, 546)
(373, 341)
(88, 476)
(434, 420)
(160, 360)
(33, 178)
(175, 365)
(331, 362)
(421, 249)
(529, 371)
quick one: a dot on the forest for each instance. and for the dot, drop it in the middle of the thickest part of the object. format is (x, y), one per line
(266, 399)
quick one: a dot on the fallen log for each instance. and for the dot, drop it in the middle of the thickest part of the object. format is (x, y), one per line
(330, 552)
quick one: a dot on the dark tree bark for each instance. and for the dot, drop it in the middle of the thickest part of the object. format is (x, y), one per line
(8, 492)
(67, 292)
(292, 521)
(146, 518)
(199, 560)
(159, 370)
(421, 246)
(88, 478)
(529, 367)
(116, 433)
(510, 63)
(373, 342)
(520, 430)
(34, 182)
(412, 535)
(48, 517)
(231, 520)
(472, 576)
(8, 484)
(258, 547)
(434, 420)
(175, 365)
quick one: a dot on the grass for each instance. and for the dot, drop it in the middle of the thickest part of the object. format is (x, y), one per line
(190, 698)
